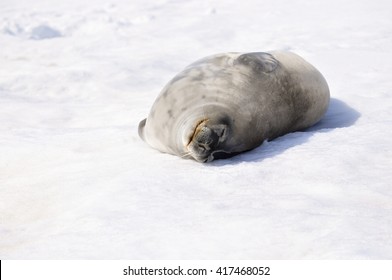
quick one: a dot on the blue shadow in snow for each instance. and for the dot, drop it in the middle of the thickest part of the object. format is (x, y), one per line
(339, 115)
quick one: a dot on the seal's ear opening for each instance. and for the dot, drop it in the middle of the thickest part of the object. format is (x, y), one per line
(220, 130)
(142, 124)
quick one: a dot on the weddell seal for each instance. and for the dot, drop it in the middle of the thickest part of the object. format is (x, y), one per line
(229, 103)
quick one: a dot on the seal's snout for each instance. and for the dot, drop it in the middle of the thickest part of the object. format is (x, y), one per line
(206, 140)
(203, 143)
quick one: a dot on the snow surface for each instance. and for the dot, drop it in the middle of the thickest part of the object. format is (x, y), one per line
(76, 182)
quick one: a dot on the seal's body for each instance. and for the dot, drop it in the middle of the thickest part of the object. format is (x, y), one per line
(228, 103)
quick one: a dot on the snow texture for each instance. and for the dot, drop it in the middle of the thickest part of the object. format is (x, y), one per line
(76, 182)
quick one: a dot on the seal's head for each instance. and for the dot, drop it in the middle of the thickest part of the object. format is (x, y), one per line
(208, 141)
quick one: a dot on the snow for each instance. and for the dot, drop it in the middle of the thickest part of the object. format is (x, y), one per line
(76, 182)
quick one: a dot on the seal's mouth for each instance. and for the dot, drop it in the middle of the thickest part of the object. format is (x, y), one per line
(213, 156)
(207, 159)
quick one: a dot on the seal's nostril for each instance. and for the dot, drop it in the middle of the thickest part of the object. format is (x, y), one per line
(201, 147)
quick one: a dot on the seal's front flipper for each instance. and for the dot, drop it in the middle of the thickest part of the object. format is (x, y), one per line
(142, 124)
(258, 61)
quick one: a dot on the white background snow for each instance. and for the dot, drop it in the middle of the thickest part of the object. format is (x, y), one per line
(76, 182)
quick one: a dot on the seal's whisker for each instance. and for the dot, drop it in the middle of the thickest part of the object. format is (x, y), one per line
(186, 155)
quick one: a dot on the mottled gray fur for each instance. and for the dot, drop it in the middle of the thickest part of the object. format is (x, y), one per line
(228, 103)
